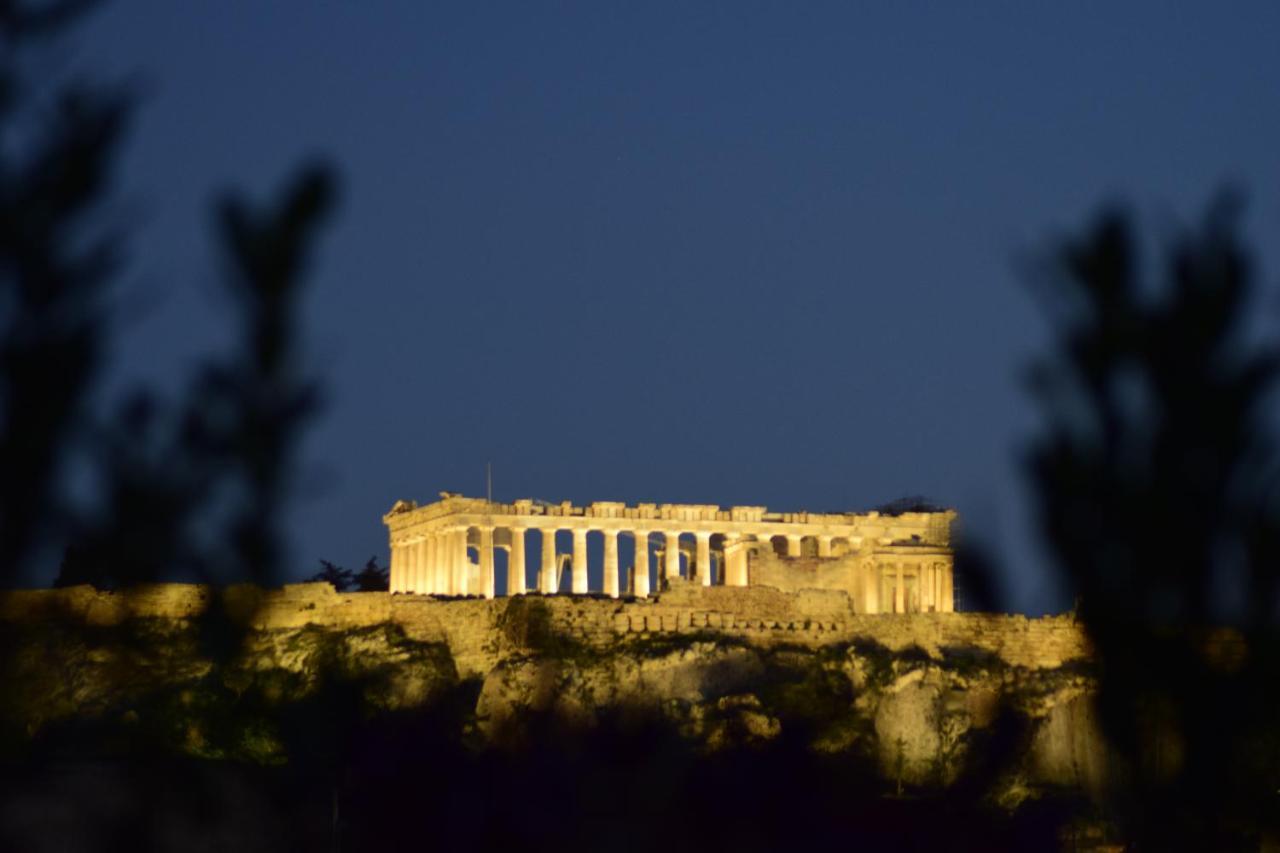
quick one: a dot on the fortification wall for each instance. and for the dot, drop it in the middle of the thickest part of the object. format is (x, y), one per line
(472, 627)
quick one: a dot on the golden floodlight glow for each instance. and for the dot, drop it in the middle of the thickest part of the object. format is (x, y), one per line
(886, 563)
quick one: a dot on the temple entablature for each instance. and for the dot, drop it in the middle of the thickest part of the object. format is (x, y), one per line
(887, 563)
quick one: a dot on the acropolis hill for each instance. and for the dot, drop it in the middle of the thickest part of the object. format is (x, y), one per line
(740, 624)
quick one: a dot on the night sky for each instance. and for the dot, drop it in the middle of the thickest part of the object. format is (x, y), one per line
(729, 253)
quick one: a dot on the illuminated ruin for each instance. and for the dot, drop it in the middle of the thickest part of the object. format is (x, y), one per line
(886, 563)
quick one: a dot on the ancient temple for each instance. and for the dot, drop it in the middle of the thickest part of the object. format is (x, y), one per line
(899, 563)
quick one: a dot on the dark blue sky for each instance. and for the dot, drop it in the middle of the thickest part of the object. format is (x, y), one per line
(724, 253)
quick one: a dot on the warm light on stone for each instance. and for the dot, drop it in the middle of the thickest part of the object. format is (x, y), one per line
(886, 564)
(640, 573)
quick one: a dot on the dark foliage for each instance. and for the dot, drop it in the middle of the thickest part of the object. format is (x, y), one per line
(340, 578)
(56, 262)
(909, 503)
(1156, 480)
(373, 578)
(223, 455)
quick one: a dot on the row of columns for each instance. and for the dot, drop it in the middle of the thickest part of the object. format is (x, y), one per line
(437, 563)
(935, 590)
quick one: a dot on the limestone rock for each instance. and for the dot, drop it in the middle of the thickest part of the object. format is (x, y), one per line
(725, 666)
(1068, 747)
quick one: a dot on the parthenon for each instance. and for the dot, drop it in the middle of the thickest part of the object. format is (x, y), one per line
(898, 563)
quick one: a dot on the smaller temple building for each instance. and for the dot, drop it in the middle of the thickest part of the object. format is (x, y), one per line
(460, 546)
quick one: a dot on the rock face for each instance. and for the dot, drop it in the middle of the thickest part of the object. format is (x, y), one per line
(1068, 748)
(915, 696)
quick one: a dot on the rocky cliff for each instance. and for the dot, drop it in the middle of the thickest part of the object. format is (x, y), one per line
(918, 696)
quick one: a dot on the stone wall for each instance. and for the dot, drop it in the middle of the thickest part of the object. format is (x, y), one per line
(471, 627)
(792, 574)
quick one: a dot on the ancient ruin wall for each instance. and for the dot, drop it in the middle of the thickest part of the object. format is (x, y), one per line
(472, 627)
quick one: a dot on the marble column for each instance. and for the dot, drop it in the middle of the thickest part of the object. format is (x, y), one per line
(487, 581)
(437, 555)
(871, 583)
(824, 546)
(393, 584)
(735, 563)
(579, 574)
(547, 573)
(436, 558)
(411, 576)
(671, 562)
(411, 573)
(428, 564)
(434, 584)
(793, 545)
(704, 558)
(640, 574)
(402, 583)
(516, 563)
(444, 556)
(611, 563)
(406, 568)
(405, 559)
(948, 590)
(441, 562)
(410, 563)
(423, 568)
(460, 561)
(899, 590)
(564, 566)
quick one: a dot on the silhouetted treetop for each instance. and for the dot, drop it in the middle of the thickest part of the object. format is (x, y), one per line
(373, 578)
(909, 503)
(335, 575)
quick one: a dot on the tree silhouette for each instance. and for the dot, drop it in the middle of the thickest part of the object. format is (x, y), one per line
(373, 578)
(1156, 479)
(223, 455)
(330, 573)
(56, 264)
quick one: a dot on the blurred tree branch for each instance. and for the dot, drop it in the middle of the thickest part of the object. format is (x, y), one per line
(55, 269)
(1156, 478)
(223, 456)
